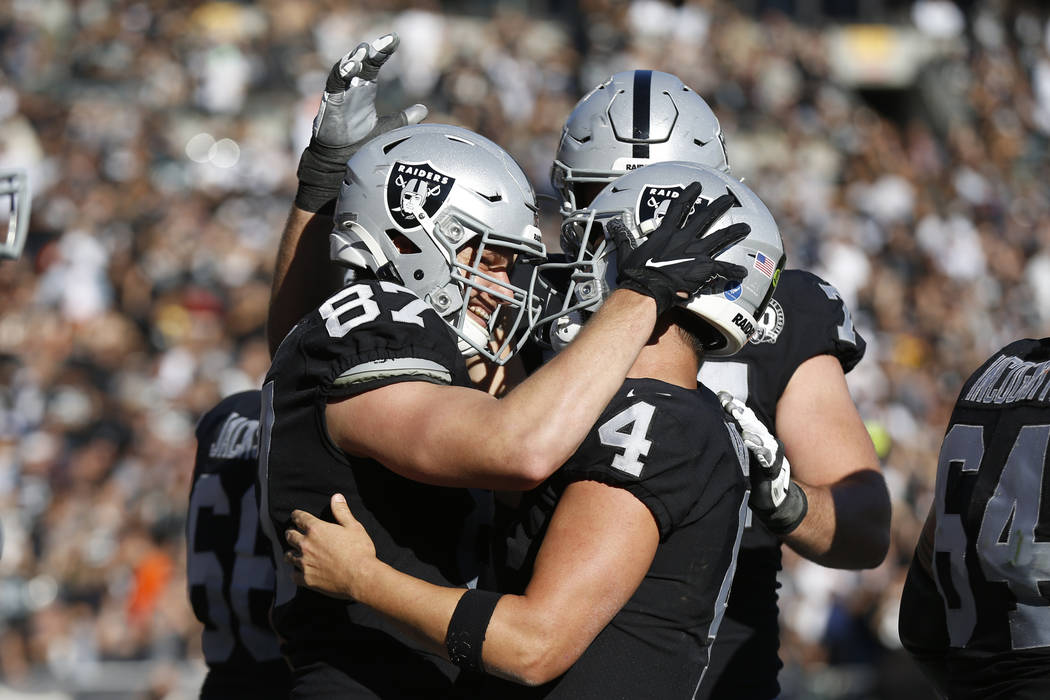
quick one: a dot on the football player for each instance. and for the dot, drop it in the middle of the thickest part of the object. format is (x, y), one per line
(619, 565)
(789, 370)
(975, 612)
(369, 396)
(229, 563)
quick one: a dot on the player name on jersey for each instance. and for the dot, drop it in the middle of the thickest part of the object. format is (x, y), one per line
(1010, 379)
(238, 439)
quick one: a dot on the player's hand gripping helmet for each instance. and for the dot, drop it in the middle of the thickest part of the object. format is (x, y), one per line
(633, 119)
(641, 198)
(414, 198)
(14, 204)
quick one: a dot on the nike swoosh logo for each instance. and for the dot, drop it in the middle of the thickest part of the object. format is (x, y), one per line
(665, 263)
(630, 393)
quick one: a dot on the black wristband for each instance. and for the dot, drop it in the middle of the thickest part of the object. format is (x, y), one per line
(466, 629)
(791, 512)
(320, 173)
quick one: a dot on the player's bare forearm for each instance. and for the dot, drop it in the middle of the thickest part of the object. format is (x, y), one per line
(832, 458)
(847, 525)
(303, 276)
(527, 434)
(424, 610)
(420, 608)
(559, 403)
(339, 559)
(578, 583)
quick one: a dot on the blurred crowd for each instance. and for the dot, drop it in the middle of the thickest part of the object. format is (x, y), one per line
(161, 140)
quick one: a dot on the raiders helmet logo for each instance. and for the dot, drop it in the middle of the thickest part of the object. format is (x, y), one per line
(415, 192)
(655, 199)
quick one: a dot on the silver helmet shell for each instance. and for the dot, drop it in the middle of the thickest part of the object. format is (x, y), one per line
(442, 188)
(14, 204)
(631, 120)
(641, 198)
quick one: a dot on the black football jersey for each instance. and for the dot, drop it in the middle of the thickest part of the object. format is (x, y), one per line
(805, 318)
(369, 334)
(229, 563)
(980, 625)
(672, 449)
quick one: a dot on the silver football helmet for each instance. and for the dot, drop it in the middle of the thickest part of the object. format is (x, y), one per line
(414, 198)
(14, 203)
(633, 119)
(641, 198)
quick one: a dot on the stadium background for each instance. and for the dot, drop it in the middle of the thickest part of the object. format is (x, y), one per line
(902, 147)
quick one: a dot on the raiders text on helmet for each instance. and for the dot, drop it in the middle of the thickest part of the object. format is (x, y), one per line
(633, 119)
(414, 197)
(641, 198)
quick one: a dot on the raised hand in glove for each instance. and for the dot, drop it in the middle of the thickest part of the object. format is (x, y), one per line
(346, 120)
(778, 501)
(677, 260)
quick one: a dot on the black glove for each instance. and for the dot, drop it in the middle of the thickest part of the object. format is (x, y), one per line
(778, 501)
(346, 120)
(677, 257)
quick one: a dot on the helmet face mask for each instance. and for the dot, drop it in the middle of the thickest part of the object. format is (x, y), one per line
(428, 206)
(14, 204)
(641, 198)
(633, 119)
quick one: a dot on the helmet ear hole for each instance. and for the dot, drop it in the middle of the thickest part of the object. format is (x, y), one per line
(403, 243)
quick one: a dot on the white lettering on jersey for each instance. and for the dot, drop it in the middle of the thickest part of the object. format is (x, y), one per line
(634, 443)
(238, 439)
(1010, 379)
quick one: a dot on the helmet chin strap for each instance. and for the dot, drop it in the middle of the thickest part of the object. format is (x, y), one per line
(477, 333)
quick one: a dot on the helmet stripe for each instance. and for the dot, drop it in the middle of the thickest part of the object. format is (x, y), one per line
(642, 83)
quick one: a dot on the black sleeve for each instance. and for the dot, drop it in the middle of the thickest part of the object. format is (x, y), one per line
(666, 446)
(372, 334)
(817, 321)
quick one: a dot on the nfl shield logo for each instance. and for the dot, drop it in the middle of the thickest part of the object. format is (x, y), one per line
(415, 192)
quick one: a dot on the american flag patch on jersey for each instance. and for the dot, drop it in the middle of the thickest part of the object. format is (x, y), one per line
(765, 265)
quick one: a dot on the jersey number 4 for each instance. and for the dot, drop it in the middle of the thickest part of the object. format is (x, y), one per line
(1011, 545)
(633, 442)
